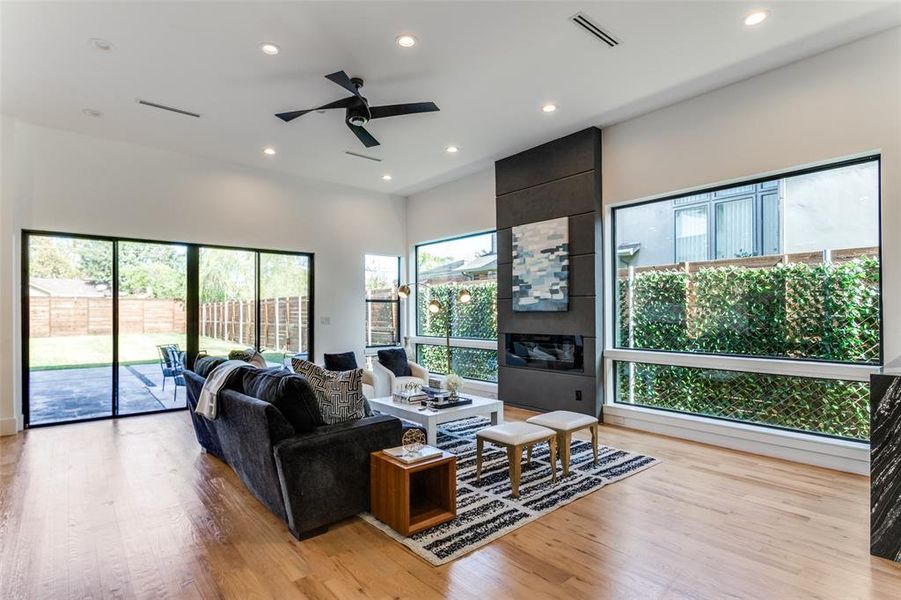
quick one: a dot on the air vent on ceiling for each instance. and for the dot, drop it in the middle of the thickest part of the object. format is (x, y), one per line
(582, 20)
(169, 108)
(372, 158)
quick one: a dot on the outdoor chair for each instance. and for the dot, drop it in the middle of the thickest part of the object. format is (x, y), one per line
(172, 364)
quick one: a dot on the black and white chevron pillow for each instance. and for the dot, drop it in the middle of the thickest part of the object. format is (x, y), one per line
(340, 394)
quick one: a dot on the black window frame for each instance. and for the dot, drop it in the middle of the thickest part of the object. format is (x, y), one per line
(192, 309)
(395, 301)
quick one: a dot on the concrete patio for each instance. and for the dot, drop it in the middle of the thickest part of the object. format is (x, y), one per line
(82, 393)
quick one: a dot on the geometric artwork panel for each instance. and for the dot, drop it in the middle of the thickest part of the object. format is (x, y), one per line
(541, 266)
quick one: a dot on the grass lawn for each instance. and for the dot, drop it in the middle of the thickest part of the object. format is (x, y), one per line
(83, 350)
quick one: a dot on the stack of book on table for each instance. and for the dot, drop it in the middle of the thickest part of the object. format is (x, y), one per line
(412, 456)
(406, 397)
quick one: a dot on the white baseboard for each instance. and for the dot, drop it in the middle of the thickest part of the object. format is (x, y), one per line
(9, 426)
(841, 455)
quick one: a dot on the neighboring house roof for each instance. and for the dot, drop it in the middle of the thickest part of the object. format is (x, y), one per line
(39, 286)
(479, 264)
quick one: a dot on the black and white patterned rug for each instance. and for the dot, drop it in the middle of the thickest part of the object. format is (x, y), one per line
(487, 511)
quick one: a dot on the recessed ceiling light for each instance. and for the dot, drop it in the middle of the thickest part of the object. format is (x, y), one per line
(549, 108)
(406, 41)
(386, 177)
(269, 48)
(269, 151)
(756, 18)
(452, 149)
(90, 112)
(100, 44)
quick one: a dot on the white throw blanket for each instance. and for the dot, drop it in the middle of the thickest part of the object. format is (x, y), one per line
(207, 404)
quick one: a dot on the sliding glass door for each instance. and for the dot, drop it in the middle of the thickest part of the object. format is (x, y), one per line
(110, 325)
(68, 328)
(227, 300)
(152, 322)
(284, 305)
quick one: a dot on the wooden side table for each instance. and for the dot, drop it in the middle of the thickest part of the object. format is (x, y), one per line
(410, 498)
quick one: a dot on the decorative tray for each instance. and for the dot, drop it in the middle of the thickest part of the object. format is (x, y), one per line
(461, 401)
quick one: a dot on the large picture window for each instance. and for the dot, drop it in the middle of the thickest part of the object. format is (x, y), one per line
(443, 270)
(783, 268)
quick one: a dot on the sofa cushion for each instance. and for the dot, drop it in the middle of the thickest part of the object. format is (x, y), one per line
(345, 361)
(340, 394)
(289, 393)
(395, 360)
(204, 364)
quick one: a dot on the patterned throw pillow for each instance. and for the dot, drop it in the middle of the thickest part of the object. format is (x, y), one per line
(340, 394)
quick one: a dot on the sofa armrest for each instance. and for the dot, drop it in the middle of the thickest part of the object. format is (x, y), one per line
(419, 371)
(324, 474)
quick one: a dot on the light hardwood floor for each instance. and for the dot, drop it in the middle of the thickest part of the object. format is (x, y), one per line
(132, 509)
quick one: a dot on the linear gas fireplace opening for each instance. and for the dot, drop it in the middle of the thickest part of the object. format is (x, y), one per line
(542, 351)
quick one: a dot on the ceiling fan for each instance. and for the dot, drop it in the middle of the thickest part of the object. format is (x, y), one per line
(357, 109)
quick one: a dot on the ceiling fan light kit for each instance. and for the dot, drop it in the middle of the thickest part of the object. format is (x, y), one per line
(357, 110)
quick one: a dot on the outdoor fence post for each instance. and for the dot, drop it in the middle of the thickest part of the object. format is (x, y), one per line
(241, 322)
(278, 324)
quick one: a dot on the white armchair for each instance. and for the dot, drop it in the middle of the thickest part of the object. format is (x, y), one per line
(368, 384)
(386, 383)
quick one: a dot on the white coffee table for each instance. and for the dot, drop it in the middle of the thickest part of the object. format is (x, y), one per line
(430, 419)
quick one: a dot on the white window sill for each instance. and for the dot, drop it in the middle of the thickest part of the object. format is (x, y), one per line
(832, 453)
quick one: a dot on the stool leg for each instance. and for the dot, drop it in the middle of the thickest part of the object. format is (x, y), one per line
(514, 455)
(565, 443)
(594, 442)
(552, 445)
(529, 454)
(479, 445)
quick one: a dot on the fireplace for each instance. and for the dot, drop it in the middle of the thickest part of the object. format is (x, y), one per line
(541, 351)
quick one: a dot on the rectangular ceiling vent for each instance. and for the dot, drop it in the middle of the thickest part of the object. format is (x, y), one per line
(593, 29)
(372, 158)
(169, 108)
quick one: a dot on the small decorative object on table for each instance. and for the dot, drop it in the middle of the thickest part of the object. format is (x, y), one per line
(413, 448)
(411, 393)
(453, 383)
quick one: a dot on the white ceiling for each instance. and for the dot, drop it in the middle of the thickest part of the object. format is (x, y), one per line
(488, 65)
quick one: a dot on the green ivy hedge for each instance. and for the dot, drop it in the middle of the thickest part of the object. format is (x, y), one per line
(829, 406)
(476, 319)
(824, 311)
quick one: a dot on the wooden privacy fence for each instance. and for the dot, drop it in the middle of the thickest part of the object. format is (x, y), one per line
(760, 262)
(52, 316)
(282, 322)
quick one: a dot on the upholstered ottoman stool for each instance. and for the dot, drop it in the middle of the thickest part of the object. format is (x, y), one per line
(565, 423)
(513, 437)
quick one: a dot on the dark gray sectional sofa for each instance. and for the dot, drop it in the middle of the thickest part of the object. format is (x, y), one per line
(309, 479)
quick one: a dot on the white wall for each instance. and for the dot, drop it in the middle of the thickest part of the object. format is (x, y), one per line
(61, 181)
(463, 206)
(844, 102)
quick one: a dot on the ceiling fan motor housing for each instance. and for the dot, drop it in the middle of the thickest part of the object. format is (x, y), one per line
(357, 116)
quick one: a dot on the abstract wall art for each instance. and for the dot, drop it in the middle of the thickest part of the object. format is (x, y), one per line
(541, 266)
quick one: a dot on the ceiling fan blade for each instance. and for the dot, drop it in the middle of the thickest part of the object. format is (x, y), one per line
(287, 117)
(363, 135)
(397, 110)
(342, 103)
(341, 78)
